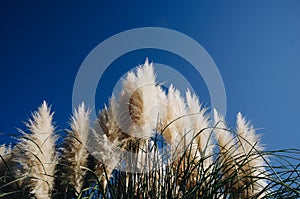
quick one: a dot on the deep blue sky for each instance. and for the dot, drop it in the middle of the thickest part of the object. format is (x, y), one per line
(255, 44)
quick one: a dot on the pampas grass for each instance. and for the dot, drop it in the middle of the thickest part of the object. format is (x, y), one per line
(137, 111)
(200, 126)
(252, 172)
(74, 154)
(241, 156)
(38, 156)
(178, 123)
(147, 143)
(106, 157)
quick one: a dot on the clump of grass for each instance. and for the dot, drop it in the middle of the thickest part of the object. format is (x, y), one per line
(148, 143)
(174, 181)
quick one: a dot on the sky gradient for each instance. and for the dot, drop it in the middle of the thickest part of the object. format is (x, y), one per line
(255, 44)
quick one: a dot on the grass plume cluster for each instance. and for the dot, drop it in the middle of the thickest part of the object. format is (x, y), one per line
(149, 142)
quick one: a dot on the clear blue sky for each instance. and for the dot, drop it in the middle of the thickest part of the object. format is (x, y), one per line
(255, 44)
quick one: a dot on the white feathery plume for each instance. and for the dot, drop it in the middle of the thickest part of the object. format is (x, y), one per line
(249, 147)
(178, 130)
(107, 141)
(107, 155)
(39, 159)
(249, 140)
(137, 108)
(138, 105)
(74, 151)
(228, 149)
(162, 106)
(200, 124)
(107, 124)
(225, 139)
